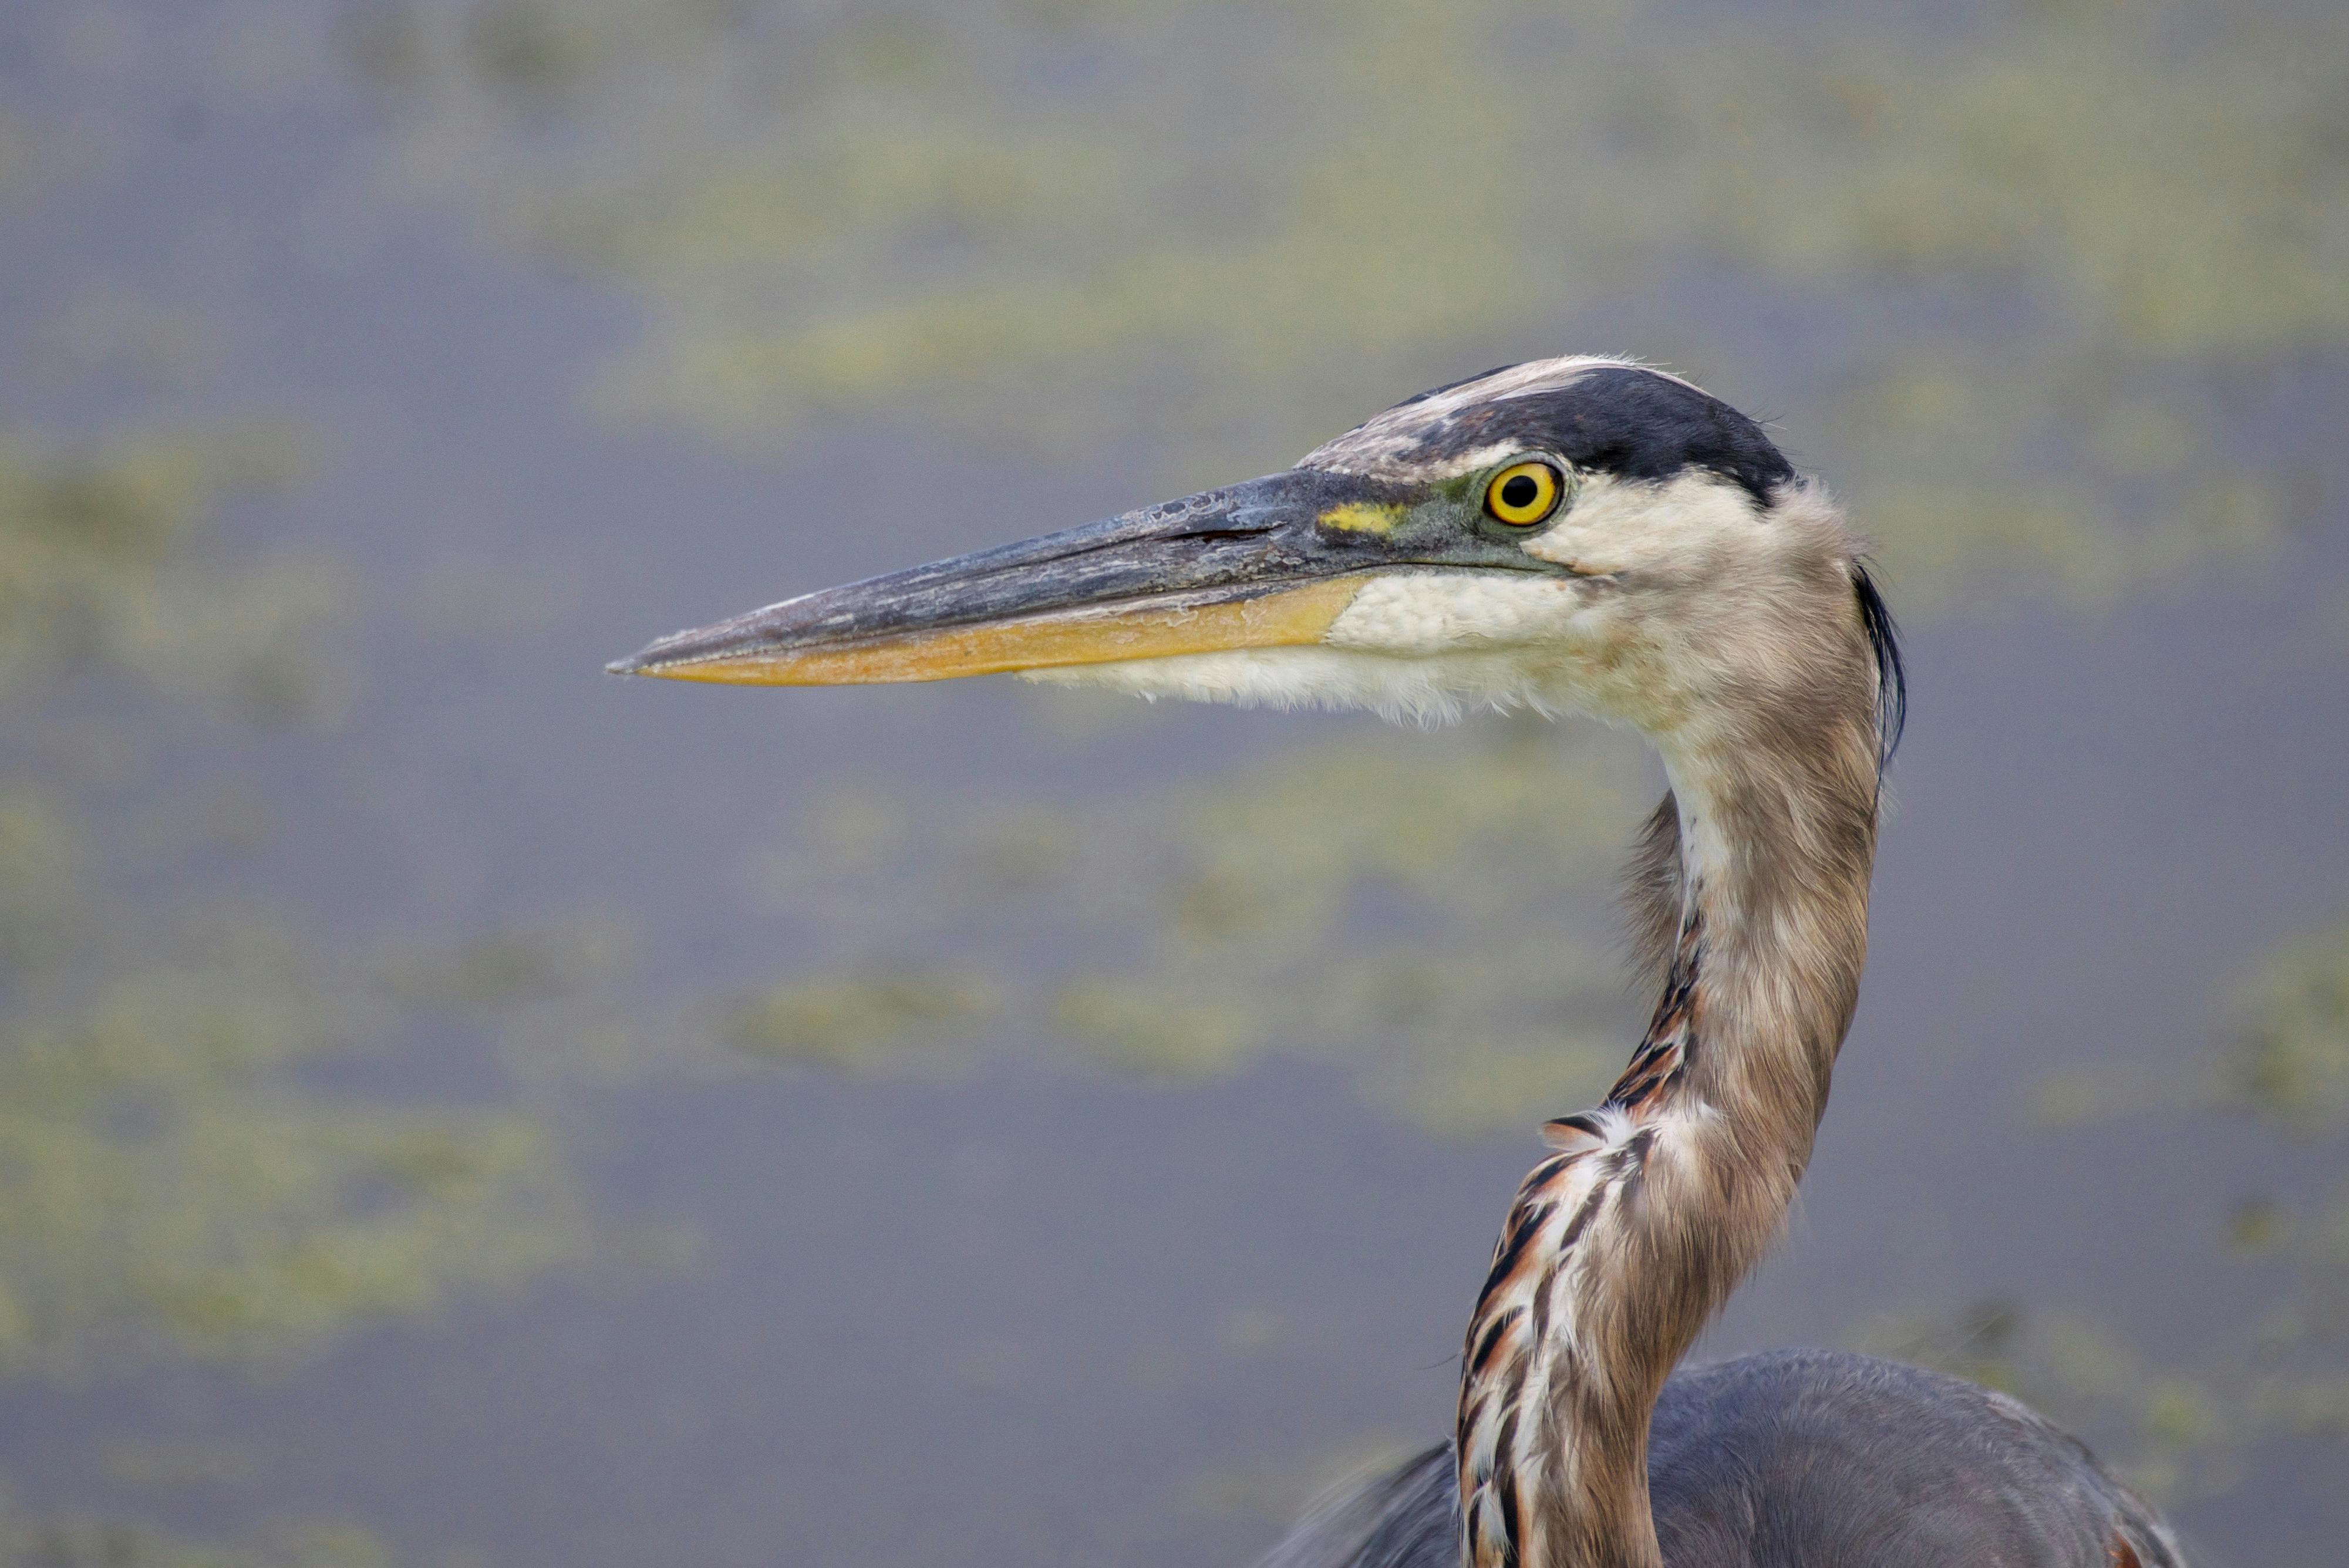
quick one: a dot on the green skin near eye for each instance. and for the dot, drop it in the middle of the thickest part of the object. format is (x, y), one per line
(1518, 496)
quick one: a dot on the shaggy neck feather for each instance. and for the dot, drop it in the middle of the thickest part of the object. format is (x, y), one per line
(1749, 895)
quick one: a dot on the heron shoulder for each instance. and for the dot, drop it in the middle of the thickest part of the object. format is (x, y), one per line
(1810, 1456)
(1793, 1458)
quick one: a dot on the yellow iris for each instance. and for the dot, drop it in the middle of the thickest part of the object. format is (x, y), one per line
(1523, 494)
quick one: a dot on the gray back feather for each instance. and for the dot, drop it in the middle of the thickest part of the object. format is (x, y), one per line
(1407, 1518)
(1806, 1458)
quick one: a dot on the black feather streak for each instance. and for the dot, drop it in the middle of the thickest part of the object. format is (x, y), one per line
(1892, 669)
(1626, 421)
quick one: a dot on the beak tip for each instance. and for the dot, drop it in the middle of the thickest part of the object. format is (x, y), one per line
(696, 645)
(640, 662)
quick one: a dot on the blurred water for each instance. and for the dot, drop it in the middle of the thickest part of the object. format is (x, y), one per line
(1023, 1308)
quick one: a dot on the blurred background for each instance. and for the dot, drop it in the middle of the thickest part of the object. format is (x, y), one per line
(456, 1109)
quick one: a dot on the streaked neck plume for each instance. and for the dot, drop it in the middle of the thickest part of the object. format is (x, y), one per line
(1749, 897)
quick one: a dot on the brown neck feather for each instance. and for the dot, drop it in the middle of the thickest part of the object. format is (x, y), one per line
(1749, 898)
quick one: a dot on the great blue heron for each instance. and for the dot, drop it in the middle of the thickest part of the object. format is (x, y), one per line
(1585, 535)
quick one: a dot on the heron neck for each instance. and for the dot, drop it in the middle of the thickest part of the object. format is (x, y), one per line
(1772, 860)
(1621, 1245)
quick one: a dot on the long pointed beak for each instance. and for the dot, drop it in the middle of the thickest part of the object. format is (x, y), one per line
(1267, 563)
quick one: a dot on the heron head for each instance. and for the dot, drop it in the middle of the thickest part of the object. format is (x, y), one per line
(1567, 534)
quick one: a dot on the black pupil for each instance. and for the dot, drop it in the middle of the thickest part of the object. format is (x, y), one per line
(1517, 491)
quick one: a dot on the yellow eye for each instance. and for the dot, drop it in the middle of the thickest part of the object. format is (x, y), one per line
(1523, 494)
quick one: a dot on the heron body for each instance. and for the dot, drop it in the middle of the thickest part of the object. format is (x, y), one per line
(1805, 1459)
(1573, 535)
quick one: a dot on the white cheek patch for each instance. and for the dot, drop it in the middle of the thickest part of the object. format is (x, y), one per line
(1428, 691)
(1416, 614)
(1612, 526)
(1418, 647)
